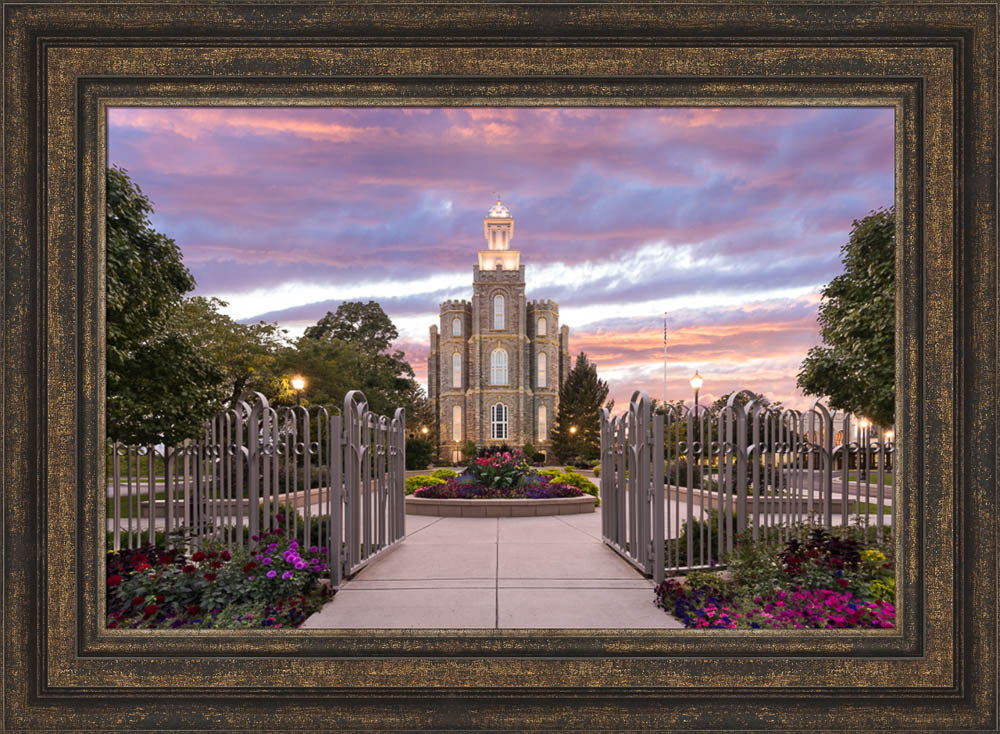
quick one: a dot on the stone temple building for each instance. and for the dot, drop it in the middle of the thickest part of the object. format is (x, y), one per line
(497, 363)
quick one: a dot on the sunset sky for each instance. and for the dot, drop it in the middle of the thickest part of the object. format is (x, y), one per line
(730, 219)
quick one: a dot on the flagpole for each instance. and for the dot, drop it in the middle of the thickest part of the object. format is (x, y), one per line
(664, 362)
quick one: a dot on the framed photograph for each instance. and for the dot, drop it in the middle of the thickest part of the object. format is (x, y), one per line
(84, 86)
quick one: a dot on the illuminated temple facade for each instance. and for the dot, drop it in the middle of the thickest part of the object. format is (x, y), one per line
(497, 363)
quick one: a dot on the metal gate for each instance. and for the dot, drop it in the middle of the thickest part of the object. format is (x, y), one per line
(335, 481)
(679, 486)
(632, 485)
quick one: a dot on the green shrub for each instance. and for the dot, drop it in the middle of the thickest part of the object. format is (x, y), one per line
(597, 471)
(569, 468)
(580, 482)
(549, 472)
(418, 453)
(419, 481)
(699, 579)
(538, 457)
(469, 451)
(709, 529)
(444, 473)
(529, 451)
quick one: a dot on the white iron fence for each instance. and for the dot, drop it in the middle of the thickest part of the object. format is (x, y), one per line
(677, 488)
(337, 481)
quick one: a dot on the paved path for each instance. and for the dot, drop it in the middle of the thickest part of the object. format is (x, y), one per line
(489, 573)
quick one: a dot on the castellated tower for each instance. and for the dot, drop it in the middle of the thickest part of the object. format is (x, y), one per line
(497, 363)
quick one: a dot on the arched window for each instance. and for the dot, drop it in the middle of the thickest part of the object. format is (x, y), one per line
(543, 424)
(456, 326)
(498, 311)
(456, 370)
(498, 367)
(542, 329)
(498, 421)
(456, 423)
(543, 365)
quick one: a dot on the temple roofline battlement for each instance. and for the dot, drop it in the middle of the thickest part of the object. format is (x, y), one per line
(459, 305)
(544, 303)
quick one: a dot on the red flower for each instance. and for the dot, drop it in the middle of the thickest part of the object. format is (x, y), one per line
(165, 560)
(250, 567)
(843, 583)
(216, 564)
(212, 554)
(114, 579)
(188, 569)
(112, 625)
(210, 577)
(159, 598)
(138, 600)
(199, 556)
(149, 611)
(193, 609)
(225, 555)
(139, 558)
(142, 567)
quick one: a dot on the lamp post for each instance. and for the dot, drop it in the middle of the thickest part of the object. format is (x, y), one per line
(696, 382)
(298, 384)
(887, 457)
(424, 430)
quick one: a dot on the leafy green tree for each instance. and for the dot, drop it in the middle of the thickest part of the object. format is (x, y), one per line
(580, 400)
(856, 366)
(365, 325)
(160, 388)
(247, 354)
(331, 368)
(349, 350)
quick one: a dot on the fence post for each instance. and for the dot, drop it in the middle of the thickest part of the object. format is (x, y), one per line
(659, 537)
(335, 500)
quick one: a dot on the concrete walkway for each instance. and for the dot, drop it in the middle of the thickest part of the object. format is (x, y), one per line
(497, 573)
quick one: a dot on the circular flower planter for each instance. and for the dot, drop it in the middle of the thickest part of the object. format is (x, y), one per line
(500, 507)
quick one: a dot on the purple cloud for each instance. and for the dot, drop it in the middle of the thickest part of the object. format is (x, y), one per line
(731, 218)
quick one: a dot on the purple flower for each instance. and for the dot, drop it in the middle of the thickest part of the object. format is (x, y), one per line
(300, 565)
(266, 560)
(287, 575)
(313, 549)
(272, 573)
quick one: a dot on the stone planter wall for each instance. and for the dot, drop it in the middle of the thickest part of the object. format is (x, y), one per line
(499, 508)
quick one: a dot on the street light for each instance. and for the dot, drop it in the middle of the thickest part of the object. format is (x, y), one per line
(298, 384)
(696, 382)
(572, 429)
(424, 430)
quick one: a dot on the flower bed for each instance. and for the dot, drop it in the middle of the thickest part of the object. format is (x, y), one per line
(275, 584)
(500, 483)
(816, 580)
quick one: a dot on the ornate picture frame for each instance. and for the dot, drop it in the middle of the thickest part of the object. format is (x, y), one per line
(66, 63)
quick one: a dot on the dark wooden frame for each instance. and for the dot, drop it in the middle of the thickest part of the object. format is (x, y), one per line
(936, 64)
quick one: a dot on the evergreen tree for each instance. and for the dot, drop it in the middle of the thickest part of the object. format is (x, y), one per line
(856, 368)
(580, 400)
